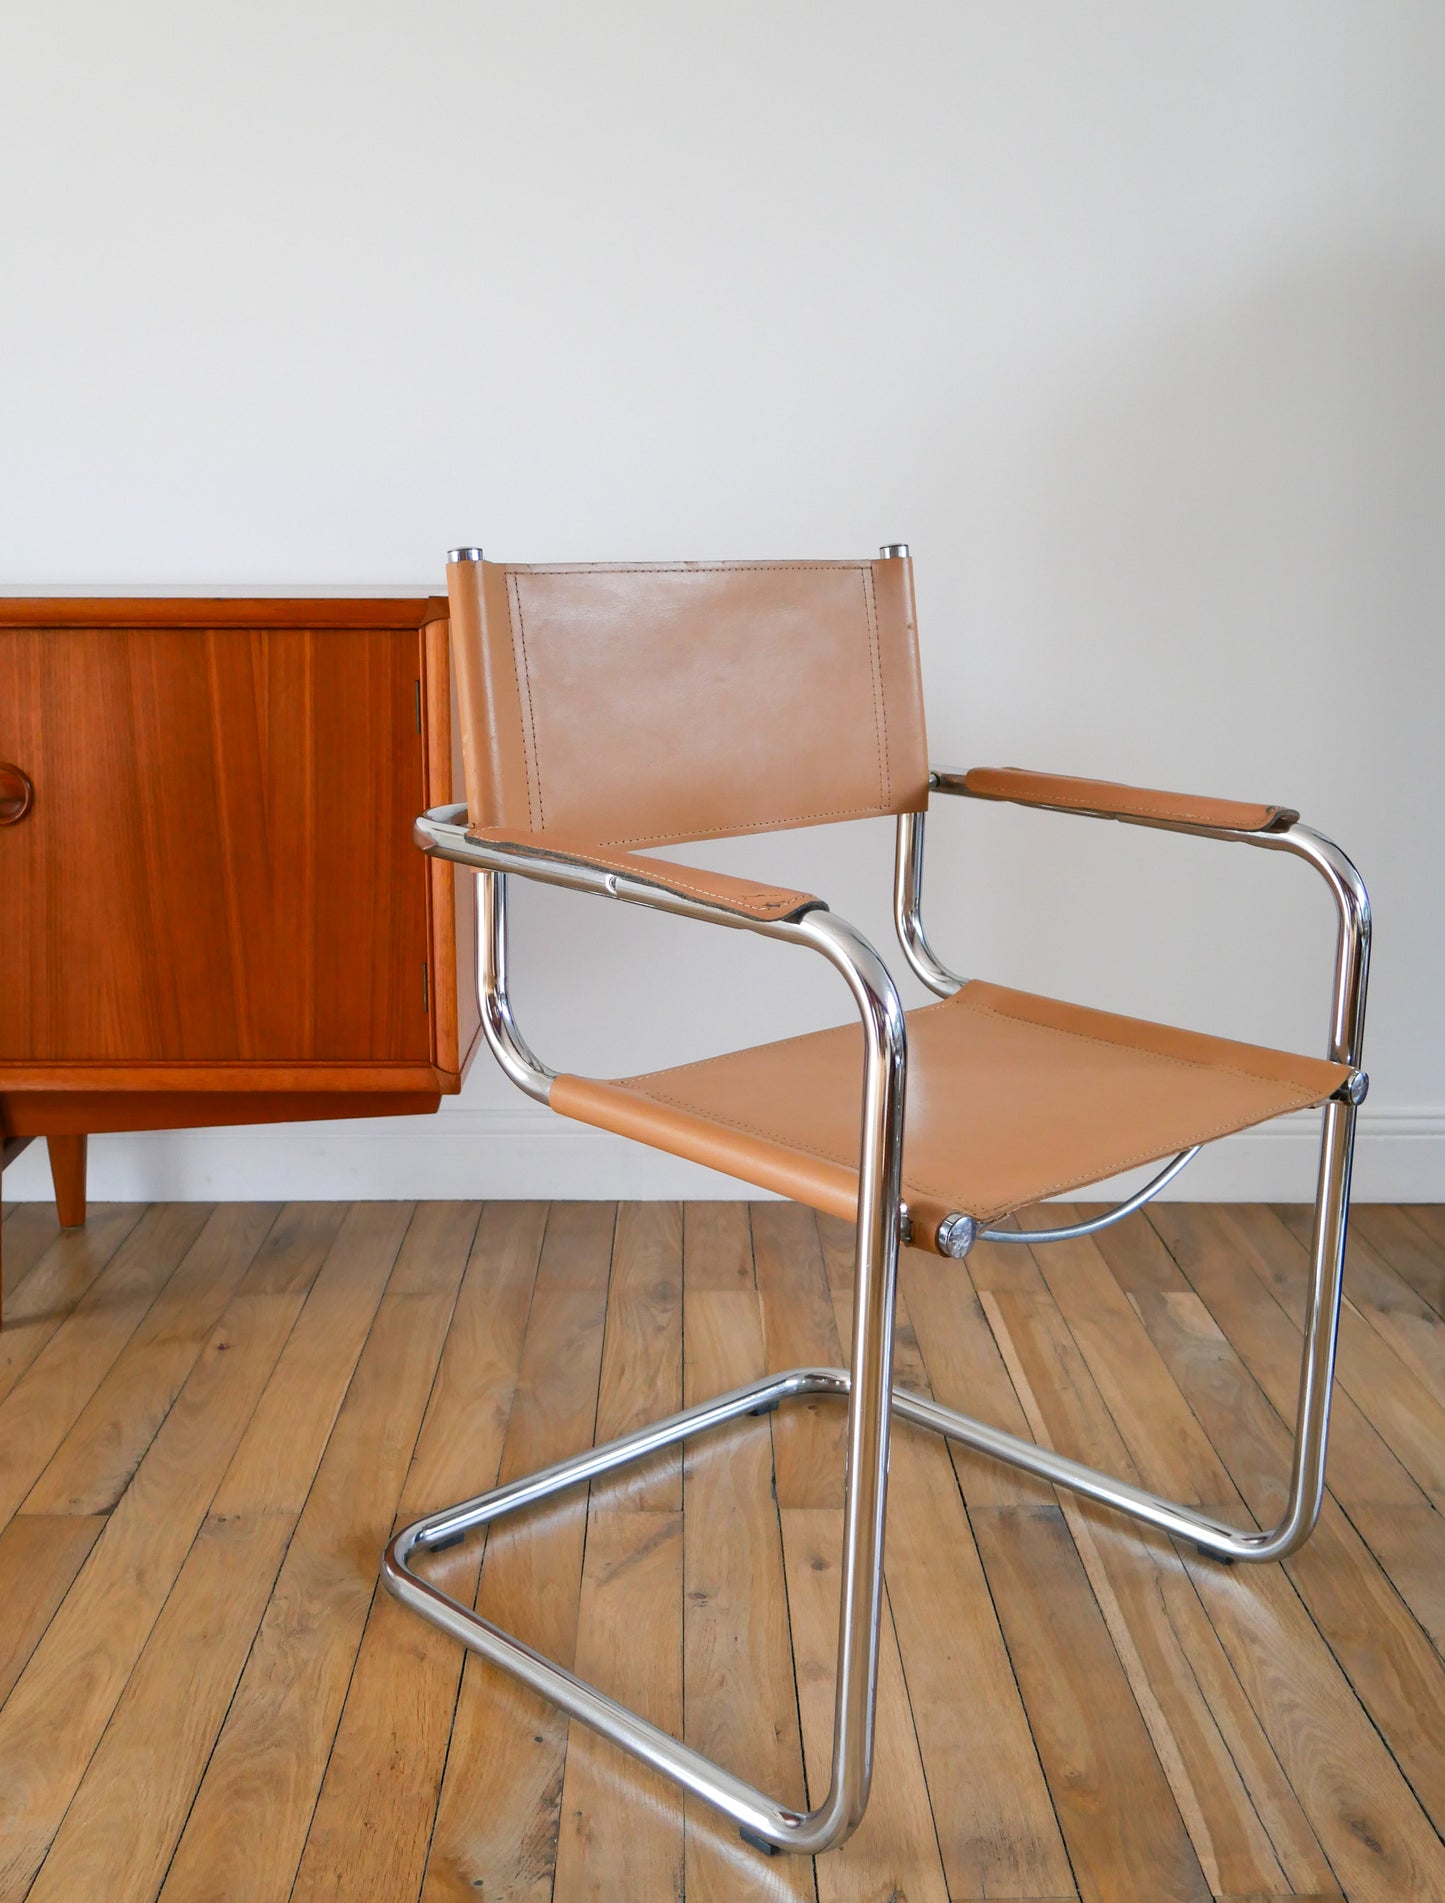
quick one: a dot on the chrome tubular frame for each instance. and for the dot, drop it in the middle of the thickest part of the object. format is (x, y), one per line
(929, 968)
(1110, 1216)
(1332, 1195)
(908, 910)
(866, 1385)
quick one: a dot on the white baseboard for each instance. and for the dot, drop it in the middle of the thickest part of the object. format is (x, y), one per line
(526, 1152)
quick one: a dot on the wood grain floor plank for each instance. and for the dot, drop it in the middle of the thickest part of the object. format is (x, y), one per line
(246, 1830)
(39, 1557)
(1004, 1268)
(1411, 1419)
(1397, 1237)
(1248, 1427)
(40, 1409)
(996, 1826)
(1384, 1654)
(1340, 1769)
(92, 1466)
(62, 1701)
(1264, 1733)
(577, 1251)
(57, 1283)
(997, 1831)
(459, 1449)
(343, 1269)
(1379, 1842)
(29, 1230)
(499, 1813)
(1387, 1302)
(718, 1245)
(642, 1353)
(1409, 1544)
(1168, 1448)
(909, 1369)
(156, 1744)
(1362, 1463)
(622, 1824)
(894, 1852)
(1091, 1737)
(836, 1240)
(385, 1769)
(1428, 1218)
(1246, 1827)
(799, 1330)
(289, 1260)
(739, 1702)
(966, 1371)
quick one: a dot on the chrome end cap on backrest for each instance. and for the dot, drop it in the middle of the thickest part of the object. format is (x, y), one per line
(893, 552)
(464, 555)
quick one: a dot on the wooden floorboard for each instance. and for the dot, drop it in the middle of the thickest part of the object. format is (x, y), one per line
(211, 1419)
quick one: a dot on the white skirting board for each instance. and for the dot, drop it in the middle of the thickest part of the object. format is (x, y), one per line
(525, 1152)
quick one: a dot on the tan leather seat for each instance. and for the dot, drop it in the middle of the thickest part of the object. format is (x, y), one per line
(1011, 1098)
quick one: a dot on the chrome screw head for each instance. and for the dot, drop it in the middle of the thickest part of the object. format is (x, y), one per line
(956, 1236)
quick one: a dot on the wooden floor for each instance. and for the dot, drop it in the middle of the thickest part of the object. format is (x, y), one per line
(210, 1419)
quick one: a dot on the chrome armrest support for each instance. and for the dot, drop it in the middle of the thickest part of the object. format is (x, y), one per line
(908, 909)
(442, 834)
(1347, 1010)
(868, 1384)
(1347, 888)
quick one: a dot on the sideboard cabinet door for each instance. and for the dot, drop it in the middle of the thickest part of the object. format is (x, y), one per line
(216, 865)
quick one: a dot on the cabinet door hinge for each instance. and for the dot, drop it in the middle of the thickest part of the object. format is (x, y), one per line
(418, 706)
(425, 988)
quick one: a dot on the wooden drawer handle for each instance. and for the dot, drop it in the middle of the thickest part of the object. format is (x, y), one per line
(17, 794)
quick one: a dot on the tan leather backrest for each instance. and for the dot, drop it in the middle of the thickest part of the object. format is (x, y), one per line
(645, 704)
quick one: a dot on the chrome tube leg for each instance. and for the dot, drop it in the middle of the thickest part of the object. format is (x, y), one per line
(867, 1388)
(1332, 1196)
(869, 1411)
(1322, 1327)
(1307, 1479)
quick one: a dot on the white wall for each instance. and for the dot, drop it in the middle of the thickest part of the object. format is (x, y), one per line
(1127, 317)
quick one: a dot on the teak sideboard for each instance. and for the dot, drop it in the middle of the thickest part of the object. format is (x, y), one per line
(211, 909)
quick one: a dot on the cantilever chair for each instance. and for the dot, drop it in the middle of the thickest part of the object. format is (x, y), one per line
(607, 709)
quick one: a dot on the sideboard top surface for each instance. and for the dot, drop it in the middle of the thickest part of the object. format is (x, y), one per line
(220, 611)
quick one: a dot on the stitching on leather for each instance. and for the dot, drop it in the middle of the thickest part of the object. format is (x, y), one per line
(875, 669)
(532, 760)
(1111, 1168)
(768, 897)
(960, 1001)
(748, 826)
(980, 1009)
(1297, 1097)
(1140, 806)
(864, 569)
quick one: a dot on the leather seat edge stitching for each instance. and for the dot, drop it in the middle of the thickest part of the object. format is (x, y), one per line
(932, 1189)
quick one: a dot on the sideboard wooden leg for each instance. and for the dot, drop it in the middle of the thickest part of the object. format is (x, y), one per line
(67, 1171)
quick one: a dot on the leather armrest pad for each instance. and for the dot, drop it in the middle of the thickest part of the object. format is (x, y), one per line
(1108, 801)
(744, 896)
